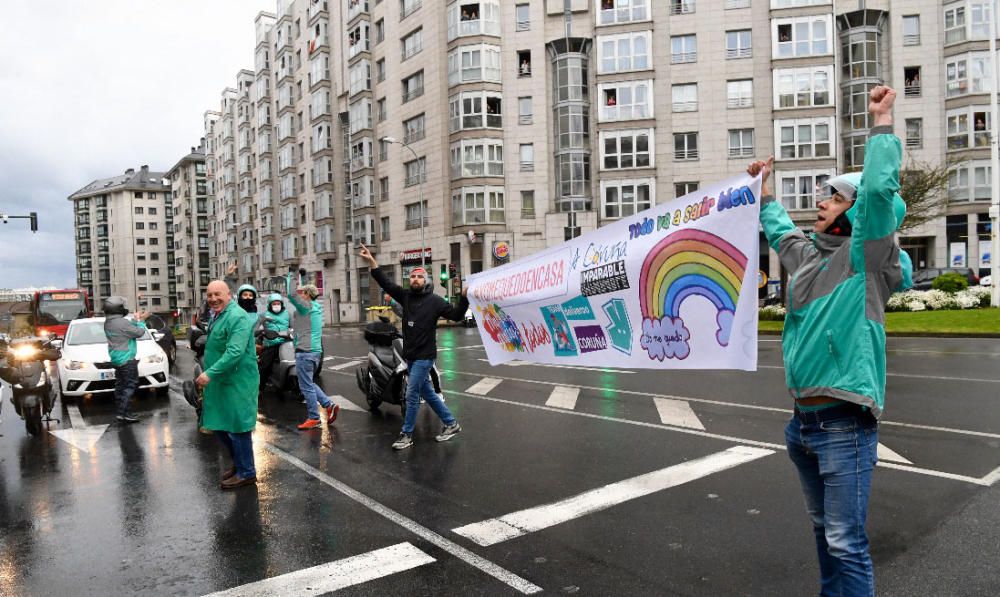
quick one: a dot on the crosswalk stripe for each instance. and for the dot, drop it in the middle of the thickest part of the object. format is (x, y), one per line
(496, 530)
(677, 413)
(886, 454)
(345, 404)
(337, 575)
(563, 397)
(484, 385)
(344, 365)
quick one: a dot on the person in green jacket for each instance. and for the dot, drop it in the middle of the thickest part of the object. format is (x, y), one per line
(122, 334)
(275, 319)
(833, 343)
(230, 383)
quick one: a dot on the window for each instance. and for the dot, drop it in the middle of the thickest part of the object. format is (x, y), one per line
(803, 138)
(413, 86)
(478, 205)
(138, 241)
(522, 14)
(624, 53)
(528, 204)
(413, 213)
(803, 87)
(141, 271)
(683, 188)
(152, 211)
(740, 143)
(154, 256)
(381, 110)
(731, 4)
(384, 228)
(798, 189)
(383, 188)
(416, 172)
(524, 63)
(140, 226)
(527, 152)
(474, 63)
(626, 149)
(739, 93)
(623, 198)
(379, 31)
(967, 73)
(959, 188)
(959, 129)
(477, 157)
(683, 48)
(470, 17)
(407, 7)
(738, 44)
(802, 36)
(380, 70)
(138, 211)
(914, 132)
(681, 7)
(911, 79)
(413, 129)
(524, 110)
(685, 147)
(412, 43)
(685, 97)
(630, 100)
(360, 77)
(466, 111)
(614, 12)
(911, 30)
(954, 24)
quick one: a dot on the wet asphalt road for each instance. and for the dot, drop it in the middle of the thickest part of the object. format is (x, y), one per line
(140, 512)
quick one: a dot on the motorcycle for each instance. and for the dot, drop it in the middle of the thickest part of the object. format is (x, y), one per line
(383, 376)
(197, 339)
(284, 375)
(23, 365)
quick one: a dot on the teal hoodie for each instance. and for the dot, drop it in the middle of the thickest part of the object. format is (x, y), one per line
(834, 334)
(276, 322)
(122, 334)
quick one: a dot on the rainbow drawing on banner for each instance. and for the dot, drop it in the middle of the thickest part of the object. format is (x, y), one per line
(684, 264)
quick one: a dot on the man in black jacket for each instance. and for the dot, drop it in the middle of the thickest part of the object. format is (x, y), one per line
(421, 311)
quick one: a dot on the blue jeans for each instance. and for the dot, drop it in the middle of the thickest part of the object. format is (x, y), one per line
(240, 446)
(418, 384)
(126, 383)
(835, 459)
(306, 364)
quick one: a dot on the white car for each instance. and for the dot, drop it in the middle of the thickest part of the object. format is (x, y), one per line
(86, 346)
(986, 281)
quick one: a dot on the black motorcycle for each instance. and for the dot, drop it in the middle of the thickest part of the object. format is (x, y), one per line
(197, 339)
(23, 364)
(283, 376)
(383, 376)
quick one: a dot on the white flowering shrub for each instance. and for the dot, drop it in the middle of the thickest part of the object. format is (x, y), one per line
(937, 300)
(772, 313)
(916, 306)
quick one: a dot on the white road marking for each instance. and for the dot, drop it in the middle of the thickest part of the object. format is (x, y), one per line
(677, 412)
(325, 359)
(345, 404)
(495, 530)
(334, 576)
(346, 365)
(518, 363)
(484, 385)
(505, 576)
(887, 454)
(992, 477)
(563, 397)
(81, 436)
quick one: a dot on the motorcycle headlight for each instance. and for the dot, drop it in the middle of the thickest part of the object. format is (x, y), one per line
(23, 353)
(76, 365)
(153, 358)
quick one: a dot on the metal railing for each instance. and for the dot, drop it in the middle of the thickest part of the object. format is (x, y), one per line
(733, 53)
(681, 7)
(684, 57)
(691, 106)
(911, 39)
(413, 94)
(739, 102)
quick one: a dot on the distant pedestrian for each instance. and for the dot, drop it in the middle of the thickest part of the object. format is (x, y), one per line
(307, 324)
(122, 334)
(230, 383)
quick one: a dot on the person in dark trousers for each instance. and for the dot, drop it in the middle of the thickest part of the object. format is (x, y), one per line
(421, 311)
(122, 334)
(276, 319)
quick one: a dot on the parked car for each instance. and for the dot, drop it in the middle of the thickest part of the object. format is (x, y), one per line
(924, 278)
(84, 367)
(986, 281)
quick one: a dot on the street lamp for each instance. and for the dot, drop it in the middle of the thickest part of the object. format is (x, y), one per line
(420, 182)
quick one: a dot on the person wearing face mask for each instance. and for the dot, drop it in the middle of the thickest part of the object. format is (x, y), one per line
(247, 298)
(275, 319)
(421, 311)
(833, 343)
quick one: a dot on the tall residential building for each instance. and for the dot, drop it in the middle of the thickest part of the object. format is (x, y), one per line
(191, 210)
(497, 128)
(123, 244)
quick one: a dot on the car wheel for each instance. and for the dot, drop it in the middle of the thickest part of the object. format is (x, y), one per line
(172, 354)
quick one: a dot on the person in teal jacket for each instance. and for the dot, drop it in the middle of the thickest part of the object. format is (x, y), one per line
(275, 319)
(122, 334)
(230, 383)
(308, 326)
(833, 343)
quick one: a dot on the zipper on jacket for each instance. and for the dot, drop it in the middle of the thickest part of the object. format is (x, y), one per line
(795, 348)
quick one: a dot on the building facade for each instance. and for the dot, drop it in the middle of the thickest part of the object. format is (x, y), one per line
(188, 180)
(123, 244)
(493, 129)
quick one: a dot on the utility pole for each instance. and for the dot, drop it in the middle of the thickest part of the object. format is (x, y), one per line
(994, 164)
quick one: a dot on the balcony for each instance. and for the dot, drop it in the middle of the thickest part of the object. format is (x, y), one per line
(355, 8)
(681, 7)
(318, 8)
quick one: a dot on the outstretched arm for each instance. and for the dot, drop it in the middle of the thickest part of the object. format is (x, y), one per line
(391, 288)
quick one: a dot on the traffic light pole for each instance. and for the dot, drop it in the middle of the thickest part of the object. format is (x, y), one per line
(33, 216)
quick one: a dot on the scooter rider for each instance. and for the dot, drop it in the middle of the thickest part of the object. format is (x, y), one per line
(275, 319)
(122, 334)
(307, 324)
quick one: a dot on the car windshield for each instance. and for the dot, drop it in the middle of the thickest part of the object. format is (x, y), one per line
(91, 332)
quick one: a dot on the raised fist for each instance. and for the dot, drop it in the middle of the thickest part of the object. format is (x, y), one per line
(881, 100)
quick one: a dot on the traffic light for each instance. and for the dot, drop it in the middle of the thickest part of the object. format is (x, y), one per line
(444, 275)
(452, 271)
(34, 221)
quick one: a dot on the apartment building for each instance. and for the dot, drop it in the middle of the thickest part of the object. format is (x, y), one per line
(474, 132)
(188, 180)
(123, 244)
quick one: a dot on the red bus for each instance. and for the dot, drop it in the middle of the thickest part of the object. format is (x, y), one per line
(52, 310)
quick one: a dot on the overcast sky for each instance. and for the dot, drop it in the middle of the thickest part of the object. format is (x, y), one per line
(91, 88)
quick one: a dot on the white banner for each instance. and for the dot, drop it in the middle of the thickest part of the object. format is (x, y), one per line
(618, 296)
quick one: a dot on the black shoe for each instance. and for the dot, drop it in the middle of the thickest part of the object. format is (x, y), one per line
(126, 419)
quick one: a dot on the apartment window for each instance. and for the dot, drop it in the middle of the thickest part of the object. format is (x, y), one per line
(384, 228)
(140, 271)
(683, 48)
(911, 81)
(138, 211)
(154, 241)
(624, 53)
(954, 24)
(413, 212)
(154, 256)
(914, 133)
(739, 93)
(380, 70)
(383, 188)
(738, 44)
(416, 172)
(522, 15)
(528, 205)
(969, 73)
(151, 211)
(468, 64)
(138, 195)
(379, 31)
(630, 100)
(154, 271)
(911, 30)
(478, 205)
(740, 143)
(412, 43)
(801, 36)
(803, 87)
(413, 86)
(623, 198)
(798, 189)
(626, 149)
(413, 129)
(468, 17)
(731, 4)
(140, 226)
(685, 147)
(803, 138)
(383, 150)
(681, 7)
(684, 188)
(959, 129)
(475, 109)
(524, 110)
(524, 63)
(360, 77)
(477, 157)
(527, 153)
(615, 12)
(381, 110)
(959, 187)
(139, 241)
(685, 97)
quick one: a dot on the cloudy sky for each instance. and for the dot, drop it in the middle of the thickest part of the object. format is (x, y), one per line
(91, 88)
